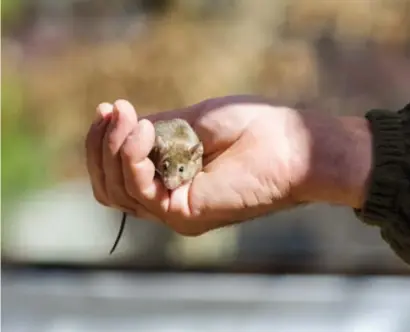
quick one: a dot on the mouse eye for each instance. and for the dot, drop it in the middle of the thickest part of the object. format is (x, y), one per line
(165, 165)
(181, 169)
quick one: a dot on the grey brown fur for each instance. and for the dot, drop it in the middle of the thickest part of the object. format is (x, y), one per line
(177, 153)
(177, 156)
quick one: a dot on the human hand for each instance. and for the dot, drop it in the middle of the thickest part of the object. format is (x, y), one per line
(255, 160)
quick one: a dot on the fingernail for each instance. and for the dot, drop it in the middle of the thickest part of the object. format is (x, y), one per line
(103, 110)
(120, 103)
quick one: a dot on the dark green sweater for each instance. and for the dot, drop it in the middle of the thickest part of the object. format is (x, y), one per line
(388, 200)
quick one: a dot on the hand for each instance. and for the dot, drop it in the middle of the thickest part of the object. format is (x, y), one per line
(256, 157)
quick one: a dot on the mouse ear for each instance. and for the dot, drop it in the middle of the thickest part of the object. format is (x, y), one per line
(197, 151)
(160, 143)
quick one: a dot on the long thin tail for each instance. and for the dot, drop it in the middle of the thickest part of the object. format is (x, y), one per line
(122, 226)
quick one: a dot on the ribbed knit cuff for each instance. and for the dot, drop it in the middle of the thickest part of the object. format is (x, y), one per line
(388, 199)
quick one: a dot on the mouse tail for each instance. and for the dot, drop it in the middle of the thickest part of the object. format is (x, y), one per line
(122, 226)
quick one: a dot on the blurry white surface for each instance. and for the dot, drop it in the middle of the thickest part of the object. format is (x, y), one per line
(57, 302)
(66, 224)
(63, 223)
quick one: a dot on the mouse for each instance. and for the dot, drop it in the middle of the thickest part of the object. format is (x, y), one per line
(177, 155)
(177, 152)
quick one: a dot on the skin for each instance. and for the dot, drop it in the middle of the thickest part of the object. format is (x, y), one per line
(258, 158)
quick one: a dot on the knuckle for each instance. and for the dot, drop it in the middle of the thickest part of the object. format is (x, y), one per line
(127, 151)
(111, 142)
(118, 195)
(100, 198)
(114, 194)
(135, 148)
(130, 188)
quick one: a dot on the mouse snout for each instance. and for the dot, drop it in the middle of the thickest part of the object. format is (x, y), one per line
(172, 182)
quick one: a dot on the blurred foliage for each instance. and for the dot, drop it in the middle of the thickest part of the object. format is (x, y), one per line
(23, 155)
(10, 9)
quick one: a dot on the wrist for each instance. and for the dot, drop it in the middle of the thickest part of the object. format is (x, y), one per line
(337, 160)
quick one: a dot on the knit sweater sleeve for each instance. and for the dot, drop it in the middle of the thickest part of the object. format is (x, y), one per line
(388, 199)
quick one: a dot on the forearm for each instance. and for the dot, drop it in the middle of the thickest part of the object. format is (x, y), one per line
(338, 160)
(363, 163)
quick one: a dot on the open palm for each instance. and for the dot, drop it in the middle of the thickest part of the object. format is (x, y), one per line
(246, 171)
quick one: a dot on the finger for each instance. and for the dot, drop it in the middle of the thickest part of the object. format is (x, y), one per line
(139, 171)
(213, 194)
(137, 210)
(143, 213)
(93, 144)
(122, 122)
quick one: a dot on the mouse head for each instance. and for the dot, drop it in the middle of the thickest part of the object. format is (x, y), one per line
(178, 162)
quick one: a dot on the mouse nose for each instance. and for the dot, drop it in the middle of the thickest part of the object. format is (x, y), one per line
(171, 183)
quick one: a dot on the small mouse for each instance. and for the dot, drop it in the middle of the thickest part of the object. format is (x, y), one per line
(177, 156)
(177, 153)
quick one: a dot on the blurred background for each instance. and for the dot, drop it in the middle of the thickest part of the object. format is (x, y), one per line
(309, 269)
